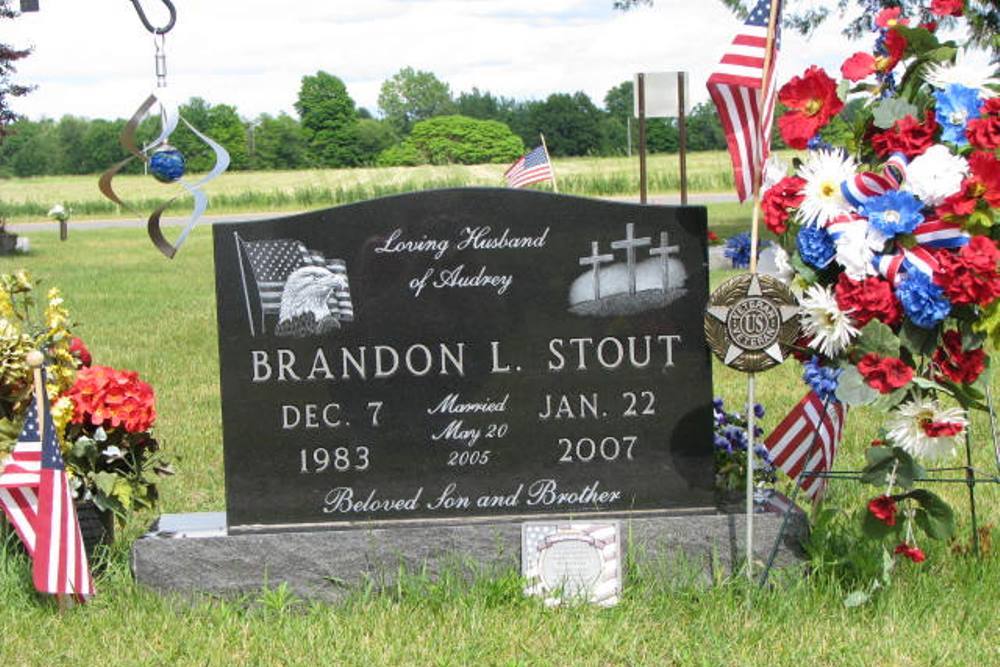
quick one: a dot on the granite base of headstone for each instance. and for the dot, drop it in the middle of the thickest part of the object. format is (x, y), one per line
(192, 553)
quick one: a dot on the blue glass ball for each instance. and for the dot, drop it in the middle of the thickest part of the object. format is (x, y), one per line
(166, 164)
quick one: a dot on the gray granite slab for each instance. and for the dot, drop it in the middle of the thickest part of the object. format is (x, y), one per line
(188, 553)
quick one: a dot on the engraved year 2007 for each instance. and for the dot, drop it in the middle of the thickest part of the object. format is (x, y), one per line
(585, 450)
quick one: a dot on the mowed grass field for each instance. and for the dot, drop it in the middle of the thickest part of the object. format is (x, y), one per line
(139, 311)
(28, 199)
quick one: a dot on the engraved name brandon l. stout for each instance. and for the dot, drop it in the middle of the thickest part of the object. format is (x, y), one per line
(463, 353)
(382, 362)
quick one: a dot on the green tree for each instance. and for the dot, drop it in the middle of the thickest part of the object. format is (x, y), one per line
(73, 158)
(221, 123)
(570, 123)
(8, 56)
(413, 95)
(31, 148)
(463, 140)
(278, 143)
(373, 137)
(704, 129)
(329, 121)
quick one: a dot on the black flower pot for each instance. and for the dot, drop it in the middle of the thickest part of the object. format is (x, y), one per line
(96, 526)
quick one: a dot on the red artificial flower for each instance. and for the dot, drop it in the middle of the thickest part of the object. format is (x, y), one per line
(906, 136)
(884, 509)
(957, 207)
(889, 18)
(713, 238)
(885, 374)
(930, 26)
(913, 553)
(947, 7)
(858, 66)
(80, 351)
(861, 65)
(970, 276)
(956, 364)
(984, 132)
(812, 101)
(985, 170)
(941, 429)
(104, 396)
(867, 300)
(779, 200)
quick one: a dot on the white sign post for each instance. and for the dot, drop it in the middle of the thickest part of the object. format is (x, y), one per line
(662, 95)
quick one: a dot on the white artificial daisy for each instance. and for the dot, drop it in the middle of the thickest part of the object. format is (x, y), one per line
(774, 261)
(829, 328)
(922, 428)
(775, 169)
(823, 172)
(936, 174)
(971, 69)
(856, 245)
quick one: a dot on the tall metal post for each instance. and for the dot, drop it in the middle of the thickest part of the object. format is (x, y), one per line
(641, 93)
(682, 137)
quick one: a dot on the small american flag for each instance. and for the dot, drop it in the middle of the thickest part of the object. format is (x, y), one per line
(35, 495)
(531, 168)
(806, 440)
(272, 261)
(737, 88)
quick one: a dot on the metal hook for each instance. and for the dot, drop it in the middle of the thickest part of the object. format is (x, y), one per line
(149, 26)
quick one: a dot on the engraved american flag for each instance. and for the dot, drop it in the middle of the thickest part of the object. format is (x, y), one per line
(273, 260)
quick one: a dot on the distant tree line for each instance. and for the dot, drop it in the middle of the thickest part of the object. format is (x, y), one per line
(419, 121)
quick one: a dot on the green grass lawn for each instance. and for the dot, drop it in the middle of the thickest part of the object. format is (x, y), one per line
(137, 310)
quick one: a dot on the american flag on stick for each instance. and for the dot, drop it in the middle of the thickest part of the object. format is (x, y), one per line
(743, 89)
(806, 440)
(35, 495)
(534, 167)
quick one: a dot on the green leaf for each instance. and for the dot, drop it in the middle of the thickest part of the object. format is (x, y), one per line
(804, 270)
(886, 402)
(878, 338)
(875, 529)
(942, 54)
(852, 390)
(881, 461)
(919, 340)
(888, 111)
(105, 482)
(925, 383)
(919, 41)
(935, 516)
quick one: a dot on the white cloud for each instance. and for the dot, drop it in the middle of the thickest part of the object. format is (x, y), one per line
(95, 59)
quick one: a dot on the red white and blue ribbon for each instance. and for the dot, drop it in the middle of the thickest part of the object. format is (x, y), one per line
(868, 184)
(930, 235)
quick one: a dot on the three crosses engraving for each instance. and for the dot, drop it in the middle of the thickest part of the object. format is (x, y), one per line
(630, 243)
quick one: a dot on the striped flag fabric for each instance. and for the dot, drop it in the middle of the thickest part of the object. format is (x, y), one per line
(273, 260)
(745, 101)
(534, 167)
(35, 495)
(806, 441)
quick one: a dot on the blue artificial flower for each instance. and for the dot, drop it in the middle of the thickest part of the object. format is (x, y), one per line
(758, 410)
(738, 250)
(723, 444)
(822, 379)
(923, 301)
(956, 106)
(893, 213)
(816, 143)
(815, 246)
(736, 436)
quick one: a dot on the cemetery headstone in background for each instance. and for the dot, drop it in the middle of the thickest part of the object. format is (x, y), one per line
(450, 362)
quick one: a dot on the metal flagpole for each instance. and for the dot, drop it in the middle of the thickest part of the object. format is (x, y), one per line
(754, 242)
(552, 169)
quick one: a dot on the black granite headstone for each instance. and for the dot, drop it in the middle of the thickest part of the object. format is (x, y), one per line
(464, 353)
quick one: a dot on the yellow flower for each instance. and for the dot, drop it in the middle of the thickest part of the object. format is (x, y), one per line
(62, 412)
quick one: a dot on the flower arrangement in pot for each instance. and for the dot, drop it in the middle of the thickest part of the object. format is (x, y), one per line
(103, 417)
(890, 222)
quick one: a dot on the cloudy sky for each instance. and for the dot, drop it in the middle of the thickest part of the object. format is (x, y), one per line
(93, 58)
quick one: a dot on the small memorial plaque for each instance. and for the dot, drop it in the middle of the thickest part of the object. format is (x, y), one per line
(463, 353)
(572, 561)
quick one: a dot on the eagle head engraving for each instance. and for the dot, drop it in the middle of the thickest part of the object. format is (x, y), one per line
(305, 308)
